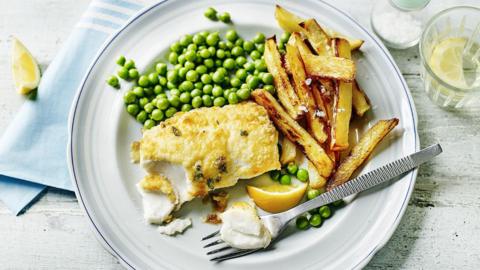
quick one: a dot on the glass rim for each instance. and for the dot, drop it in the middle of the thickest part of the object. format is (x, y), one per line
(421, 47)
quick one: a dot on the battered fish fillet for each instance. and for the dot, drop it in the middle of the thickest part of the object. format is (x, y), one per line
(209, 148)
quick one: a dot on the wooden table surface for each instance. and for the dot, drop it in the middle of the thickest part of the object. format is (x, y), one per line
(440, 229)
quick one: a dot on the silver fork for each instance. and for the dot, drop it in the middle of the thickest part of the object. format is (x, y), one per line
(276, 223)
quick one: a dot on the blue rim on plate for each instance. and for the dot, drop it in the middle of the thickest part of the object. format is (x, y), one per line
(71, 123)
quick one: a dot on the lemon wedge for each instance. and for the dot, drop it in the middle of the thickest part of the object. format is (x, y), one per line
(447, 63)
(274, 197)
(26, 74)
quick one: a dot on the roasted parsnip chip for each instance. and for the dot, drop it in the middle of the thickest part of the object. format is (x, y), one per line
(294, 132)
(289, 151)
(285, 92)
(329, 67)
(359, 100)
(342, 104)
(288, 21)
(319, 40)
(315, 180)
(324, 108)
(297, 40)
(355, 43)
(361, 151)
(315, 124)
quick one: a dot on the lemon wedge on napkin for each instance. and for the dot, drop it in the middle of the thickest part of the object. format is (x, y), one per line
(274, 197)
(25, 70)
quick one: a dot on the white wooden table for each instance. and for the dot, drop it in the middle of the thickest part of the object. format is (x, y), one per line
(440, 229)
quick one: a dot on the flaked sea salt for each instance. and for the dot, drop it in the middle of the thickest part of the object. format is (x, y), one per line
(397, 27)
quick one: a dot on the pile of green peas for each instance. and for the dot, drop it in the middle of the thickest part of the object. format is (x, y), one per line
(284, 176)
(282, 41)
(205, 70)
(316, 217)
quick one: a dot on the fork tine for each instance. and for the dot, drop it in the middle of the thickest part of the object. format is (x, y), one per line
(216, 242)
(219, 250)
(210, 235)
(233, 255)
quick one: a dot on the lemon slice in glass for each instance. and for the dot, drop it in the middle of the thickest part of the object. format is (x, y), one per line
(274, 197)
(26, 74)
(446, 61)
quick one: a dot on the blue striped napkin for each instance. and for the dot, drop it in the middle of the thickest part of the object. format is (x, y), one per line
(33, 148)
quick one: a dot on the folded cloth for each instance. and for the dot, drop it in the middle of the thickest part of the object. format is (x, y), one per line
(33, 148)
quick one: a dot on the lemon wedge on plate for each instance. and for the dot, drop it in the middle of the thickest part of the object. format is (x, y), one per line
(274, 197)
(26, 74)
(447, 63)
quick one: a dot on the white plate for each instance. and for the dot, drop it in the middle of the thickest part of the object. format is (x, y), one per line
(101, 132)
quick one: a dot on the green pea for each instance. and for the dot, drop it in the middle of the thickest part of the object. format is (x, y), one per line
(113, 81)
(207, 89)
(217, 91)
(198, 85)
(182, 72)
(220, 54)
(222, 45)
(170, 112)
(185, 86)
(244, 86)
(197, 102)
(123, 73)
(198, 39)
(163, 103)
(218, 77)
(173, 58)
(121, 60)
(239, 42)
(192, 76)
(325, 211)
(158, 89)
(142, 116)
(153, 78)
(138, 91)
(133, 74)
(231, 35)
(190, 56)
(315, 220)
(175, 92)
(259, 38)
(232, 98)
(149, 123)
(243, 94)
(230, 44)
(171, 85)
(201, 69)
(213, 39)
(143, 101)
(281, 46)
(225, 17)
(285, 179)
(248, 46)
(148, 91)
(161, 68)
(207, 100)
(205, 53)
(261, 47)
(189, 65)
(192, 47)
(186, 107)
(129, 97)
(269, 88)
(209, 63)
(174, 101)
(229, 63)
(267, 78)
(256, 72)
(253, 82)
(163, 95)
(186, 40)
(206, 78)
(162, 81)
(185, 97)
(255, 55)
(302, 175)
(235, 82)
(249, 66)
(219, 101)
(133, 109)
(196, 93)
(241, 74)
(284, 37)
(129, 64)
(157, 115)
(211, 14)
(218, 63)
(260, 65)
(226, 93)
(176, 47)
(302, 223)
(237, 51)
(172, 76)
(241, 60)
(312, 193)
(149, 107)
(204, 33)
(181, 60)
(292, 168)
